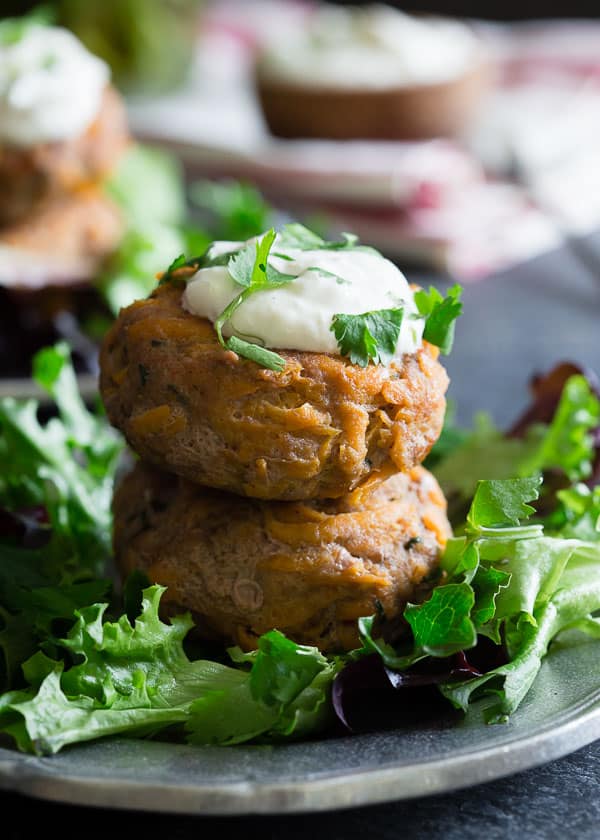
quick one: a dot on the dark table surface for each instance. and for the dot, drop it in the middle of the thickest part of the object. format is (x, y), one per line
(514, 324)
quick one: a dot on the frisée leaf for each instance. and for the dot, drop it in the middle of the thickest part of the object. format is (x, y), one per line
(134, 678)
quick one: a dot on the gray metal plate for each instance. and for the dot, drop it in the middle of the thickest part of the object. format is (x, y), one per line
(561, 714)
(513, 325)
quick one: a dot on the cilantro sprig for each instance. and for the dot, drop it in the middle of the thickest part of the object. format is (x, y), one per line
(298, 237)
(440, 314)
(372, 336)
(250, 269)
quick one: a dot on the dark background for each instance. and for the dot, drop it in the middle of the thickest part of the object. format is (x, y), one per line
(501, 9)
(492, 9)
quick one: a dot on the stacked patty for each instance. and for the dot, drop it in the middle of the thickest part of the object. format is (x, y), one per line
(264, 499)
(57, 225)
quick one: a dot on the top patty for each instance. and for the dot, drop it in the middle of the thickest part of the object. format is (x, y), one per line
(314, 430)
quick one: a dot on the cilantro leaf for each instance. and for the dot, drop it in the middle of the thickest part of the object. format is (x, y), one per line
(207, 259)
(299, 237)
(441, 314)
(243, 266)
(249, 267)
(296, 236)
(372, 336)
(178, 262)
(441, 626)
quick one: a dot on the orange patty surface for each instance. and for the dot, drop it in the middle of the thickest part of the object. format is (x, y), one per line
(317, 429)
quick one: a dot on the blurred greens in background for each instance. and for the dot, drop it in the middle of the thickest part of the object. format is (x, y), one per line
(149, 44)
(149, 188)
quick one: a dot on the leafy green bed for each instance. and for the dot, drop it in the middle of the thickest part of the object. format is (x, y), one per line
(79, 662)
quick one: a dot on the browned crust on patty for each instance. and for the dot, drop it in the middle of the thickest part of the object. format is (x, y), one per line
(309, 569)
(31, 176)
(315, 430)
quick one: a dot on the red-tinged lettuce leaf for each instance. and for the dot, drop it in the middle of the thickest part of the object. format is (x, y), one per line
(56, 484)
(546, 392)
(368, 337)
(367, 695)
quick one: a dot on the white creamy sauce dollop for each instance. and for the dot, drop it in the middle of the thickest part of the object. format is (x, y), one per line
(298, 315)
(370, 47)
(51, 87)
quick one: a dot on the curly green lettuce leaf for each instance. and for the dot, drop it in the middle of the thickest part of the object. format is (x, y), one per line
(498, 504)
(287, 694)
(66, 469)
(566, 444)
(135, 679)
(132, 679)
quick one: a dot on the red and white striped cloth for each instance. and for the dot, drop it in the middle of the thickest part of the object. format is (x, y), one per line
(526, 176)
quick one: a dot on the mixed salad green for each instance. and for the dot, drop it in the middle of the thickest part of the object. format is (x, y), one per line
(79, 661)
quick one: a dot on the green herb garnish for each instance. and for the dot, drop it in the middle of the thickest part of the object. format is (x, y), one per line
(250, 269)
(298, 237)
(372, 336)
(440, 314)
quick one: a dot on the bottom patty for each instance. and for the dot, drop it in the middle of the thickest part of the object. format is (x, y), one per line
(66, 242)
(310, 569)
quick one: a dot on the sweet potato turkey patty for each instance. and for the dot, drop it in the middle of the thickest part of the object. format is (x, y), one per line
(309, 569)
(314, 430)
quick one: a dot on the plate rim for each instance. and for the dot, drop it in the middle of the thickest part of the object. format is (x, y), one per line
(26, 774)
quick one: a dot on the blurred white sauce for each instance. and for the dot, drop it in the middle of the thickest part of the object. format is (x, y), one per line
(50, 86)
